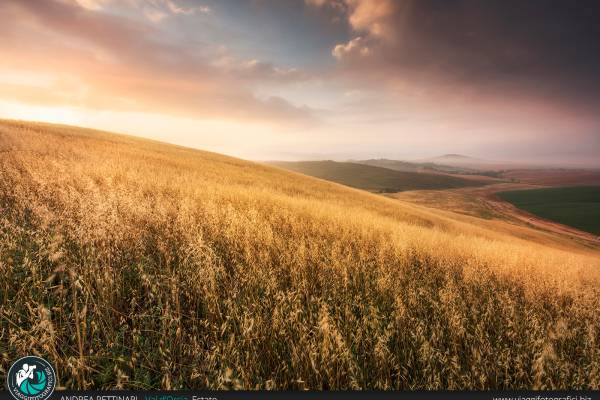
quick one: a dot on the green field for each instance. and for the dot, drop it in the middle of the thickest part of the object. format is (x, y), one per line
(375, 179)
(578, 207)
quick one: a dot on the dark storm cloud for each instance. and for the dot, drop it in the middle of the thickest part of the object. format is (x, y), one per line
(485, 74)
(550, 47)
(547, 45)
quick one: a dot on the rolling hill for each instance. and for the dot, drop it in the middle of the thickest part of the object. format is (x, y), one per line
(397, 165)
(129, 263)
(374, 178)
(473, 163)
(431, 167)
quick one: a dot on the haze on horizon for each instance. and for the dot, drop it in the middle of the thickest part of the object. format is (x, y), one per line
(314, 79)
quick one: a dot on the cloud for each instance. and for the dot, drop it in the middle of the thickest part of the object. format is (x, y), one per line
(316, 3)
(355, 47)
(155, 15)
(178, 9)
(535, 49)
(126, 64)
(491, 72)
(155, 10)
(264, 71)
(91, 4)
(372, 16)
(158, 10)
(370, 19)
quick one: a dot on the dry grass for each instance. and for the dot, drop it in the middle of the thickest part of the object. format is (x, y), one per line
(133, 264)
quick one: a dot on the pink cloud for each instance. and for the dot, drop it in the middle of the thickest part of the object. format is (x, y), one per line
(355, 47)
(124, 65)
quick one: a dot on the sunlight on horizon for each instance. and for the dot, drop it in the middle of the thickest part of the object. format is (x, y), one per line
(216, 135)
(51, 114)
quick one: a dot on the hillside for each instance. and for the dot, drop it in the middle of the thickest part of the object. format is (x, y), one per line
(373, 178)
(135, 264)
(473, 163)
(456, 158)
(397, 165)
(431, 167)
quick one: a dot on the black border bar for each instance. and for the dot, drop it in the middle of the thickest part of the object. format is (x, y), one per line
(314, 395)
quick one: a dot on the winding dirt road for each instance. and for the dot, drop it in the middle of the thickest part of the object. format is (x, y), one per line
(483, 202)
(489, 194)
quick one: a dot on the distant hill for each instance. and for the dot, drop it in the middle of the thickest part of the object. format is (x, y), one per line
(397, 165)
(457, 159)
(472, 163)
(408, 166)
(452, 156)
(375, 179)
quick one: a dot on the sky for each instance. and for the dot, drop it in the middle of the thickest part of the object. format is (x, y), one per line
(314, 79)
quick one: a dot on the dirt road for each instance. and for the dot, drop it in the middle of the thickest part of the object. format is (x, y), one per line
(488, 193)
(483, 202)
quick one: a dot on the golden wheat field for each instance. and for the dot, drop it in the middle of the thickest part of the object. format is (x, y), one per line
(135, 264)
